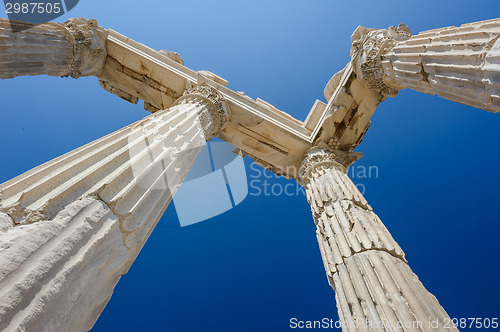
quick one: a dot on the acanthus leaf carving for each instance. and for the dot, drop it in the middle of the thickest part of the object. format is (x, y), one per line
(368, 48)
(89, 46)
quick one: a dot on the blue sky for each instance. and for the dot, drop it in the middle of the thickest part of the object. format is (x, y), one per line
(258, 265)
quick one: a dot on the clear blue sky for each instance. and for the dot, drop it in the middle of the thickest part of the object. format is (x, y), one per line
(258, 265)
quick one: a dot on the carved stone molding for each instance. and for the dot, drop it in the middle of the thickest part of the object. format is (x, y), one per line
(218, 110)
(172, 55)
(368, 48)
(325, 157)
(89, 45)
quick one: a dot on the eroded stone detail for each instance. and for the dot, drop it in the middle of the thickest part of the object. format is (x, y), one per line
(172, 55)
(216, 105)
(23, 216)
(324, 157)
(368, 48)
(58, 274)
(75, 48)
(89, 44)
(6, 222)
(461, 64)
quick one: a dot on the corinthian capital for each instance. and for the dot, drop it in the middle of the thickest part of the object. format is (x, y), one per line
(323, 157)
(368, 48)
(89, 46)
(215, 103)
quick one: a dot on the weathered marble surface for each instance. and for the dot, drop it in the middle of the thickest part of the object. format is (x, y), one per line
(461, 64)
(58, 274)
(69, 228)
(75, 48)
(364, 265)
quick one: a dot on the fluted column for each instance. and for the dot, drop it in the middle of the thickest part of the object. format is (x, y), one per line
(375, 289)
(69, 228)
(461, 64)
(75, 48)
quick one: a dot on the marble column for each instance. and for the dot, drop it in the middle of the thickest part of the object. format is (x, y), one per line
(70, 227)
(461, 64)
(375, 289)
(75, 48)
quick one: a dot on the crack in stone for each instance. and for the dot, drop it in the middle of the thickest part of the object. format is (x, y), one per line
(425, 76)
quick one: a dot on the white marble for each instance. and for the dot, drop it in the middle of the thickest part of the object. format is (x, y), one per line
(367, 269)
(69, 228)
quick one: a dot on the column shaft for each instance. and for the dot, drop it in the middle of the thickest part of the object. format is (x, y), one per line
(461, 64)
(70, 227)
(375, 288)
(75, 48)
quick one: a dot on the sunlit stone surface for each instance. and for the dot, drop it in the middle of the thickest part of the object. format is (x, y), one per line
(374, 286)
(72, 226)
(461, 64)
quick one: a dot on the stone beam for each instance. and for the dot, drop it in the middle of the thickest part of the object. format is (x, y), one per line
(274, 139)
(277, 141)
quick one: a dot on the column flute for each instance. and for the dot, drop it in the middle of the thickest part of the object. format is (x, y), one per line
(75, 48)
(375, 289)
(70, 227)
(460, 64)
